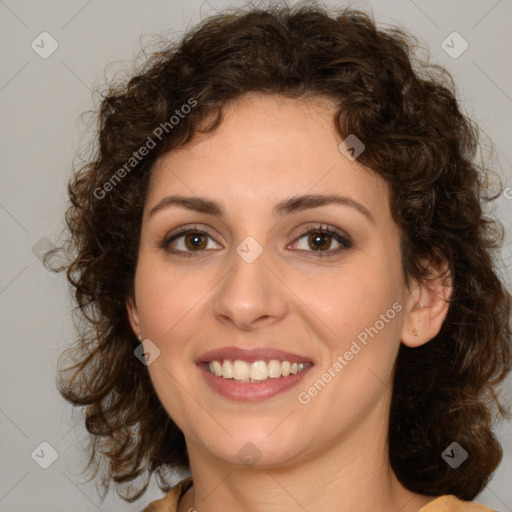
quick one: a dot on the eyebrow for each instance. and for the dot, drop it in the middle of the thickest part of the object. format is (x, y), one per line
(290, 205)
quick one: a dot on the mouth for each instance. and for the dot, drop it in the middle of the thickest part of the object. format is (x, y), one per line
(256, 371)
(251, 375)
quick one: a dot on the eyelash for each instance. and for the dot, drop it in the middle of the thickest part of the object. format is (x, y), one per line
(343, 239)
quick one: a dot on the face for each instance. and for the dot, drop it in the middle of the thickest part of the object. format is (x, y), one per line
(319, 281)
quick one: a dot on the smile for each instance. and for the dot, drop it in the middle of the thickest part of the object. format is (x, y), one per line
(255, 371)
(250, 375)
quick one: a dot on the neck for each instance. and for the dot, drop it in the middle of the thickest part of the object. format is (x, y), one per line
(353, 474)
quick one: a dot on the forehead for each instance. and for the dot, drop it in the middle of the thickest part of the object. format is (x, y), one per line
(265, 148)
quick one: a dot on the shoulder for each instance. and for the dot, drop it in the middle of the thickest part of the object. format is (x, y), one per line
(169, 503)
(450, 503)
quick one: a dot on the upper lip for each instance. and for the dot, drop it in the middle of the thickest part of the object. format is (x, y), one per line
(255, 354)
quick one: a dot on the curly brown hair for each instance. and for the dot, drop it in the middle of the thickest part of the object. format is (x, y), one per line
(417, 139)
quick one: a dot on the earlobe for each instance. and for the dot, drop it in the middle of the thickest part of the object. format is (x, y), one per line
(429, 302)
(133, 316)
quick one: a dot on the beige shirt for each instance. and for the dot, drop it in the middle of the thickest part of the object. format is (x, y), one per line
(445, 503)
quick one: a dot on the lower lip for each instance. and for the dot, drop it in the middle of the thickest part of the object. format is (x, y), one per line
(252, 391)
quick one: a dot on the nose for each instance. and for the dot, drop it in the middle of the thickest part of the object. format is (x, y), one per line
(250, 295)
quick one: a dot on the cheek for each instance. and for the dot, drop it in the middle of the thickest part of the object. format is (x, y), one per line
(166, 299)
(363, 314)
(352, 299)
(359, 308)
(168, 304)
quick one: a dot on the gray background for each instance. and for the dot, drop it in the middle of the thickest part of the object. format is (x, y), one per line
(41, 100)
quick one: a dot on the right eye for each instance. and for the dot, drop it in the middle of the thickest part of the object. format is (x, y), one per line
(188, 240)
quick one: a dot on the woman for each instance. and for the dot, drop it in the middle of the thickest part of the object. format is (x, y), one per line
(287, 275)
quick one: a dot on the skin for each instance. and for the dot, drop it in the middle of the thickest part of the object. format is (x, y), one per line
(327, 455)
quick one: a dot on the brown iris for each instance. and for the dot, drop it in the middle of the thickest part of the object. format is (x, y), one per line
(193, 241)
(316, 238)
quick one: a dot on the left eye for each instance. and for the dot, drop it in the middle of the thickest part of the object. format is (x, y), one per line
(321, 239)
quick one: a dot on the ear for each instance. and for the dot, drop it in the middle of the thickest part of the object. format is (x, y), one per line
(428, 304)
(133, 316)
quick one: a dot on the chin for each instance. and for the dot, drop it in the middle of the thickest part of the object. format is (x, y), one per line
(256, 448)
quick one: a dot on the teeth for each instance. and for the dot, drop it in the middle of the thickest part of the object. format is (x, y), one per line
(215, 366)
(240, 370)
(274, 368)
(257, 371)
(227, 370)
